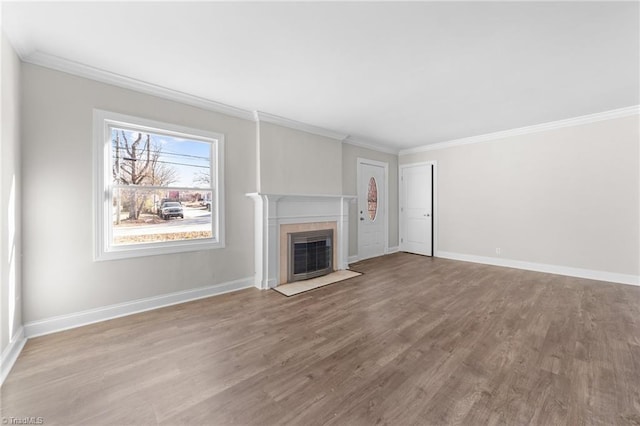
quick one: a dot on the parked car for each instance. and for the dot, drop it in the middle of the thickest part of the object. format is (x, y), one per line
(163, 203)
(171, 209)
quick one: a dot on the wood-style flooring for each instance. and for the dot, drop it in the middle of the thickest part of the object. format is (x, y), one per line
(415, 340)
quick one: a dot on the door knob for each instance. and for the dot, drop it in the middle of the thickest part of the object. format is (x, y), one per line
(362, 218)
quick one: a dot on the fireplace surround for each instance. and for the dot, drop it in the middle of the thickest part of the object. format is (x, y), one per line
(277, 215)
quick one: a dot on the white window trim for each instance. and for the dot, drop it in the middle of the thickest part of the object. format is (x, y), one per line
(103, 250)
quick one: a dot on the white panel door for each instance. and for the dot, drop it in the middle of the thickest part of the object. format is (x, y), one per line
(416, 209)
(372, 217)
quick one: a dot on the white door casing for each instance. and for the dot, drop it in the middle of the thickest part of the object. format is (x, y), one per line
(373, 221)
(416, 208)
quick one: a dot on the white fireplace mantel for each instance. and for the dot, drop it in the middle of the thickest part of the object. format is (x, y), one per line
(273, 210)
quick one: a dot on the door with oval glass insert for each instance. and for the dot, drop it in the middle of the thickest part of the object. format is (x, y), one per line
(372, 214)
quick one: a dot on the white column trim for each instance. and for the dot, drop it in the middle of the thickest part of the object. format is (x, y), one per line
(11, 353)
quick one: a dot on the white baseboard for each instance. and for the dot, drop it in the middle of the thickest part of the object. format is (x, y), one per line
(542, 267)
(10, 354)
(78, 319)
(356, 258)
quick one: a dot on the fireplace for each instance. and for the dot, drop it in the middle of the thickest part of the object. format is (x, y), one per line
(310, 254)
(278, 215)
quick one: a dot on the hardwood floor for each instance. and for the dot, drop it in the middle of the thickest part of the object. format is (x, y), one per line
(414, 340)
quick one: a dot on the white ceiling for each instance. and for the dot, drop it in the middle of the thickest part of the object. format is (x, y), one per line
(399, 75)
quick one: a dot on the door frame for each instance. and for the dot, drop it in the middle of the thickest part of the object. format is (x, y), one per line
(360, 161)
(434, 208)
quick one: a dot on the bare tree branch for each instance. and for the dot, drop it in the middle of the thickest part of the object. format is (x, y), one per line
(140, 166)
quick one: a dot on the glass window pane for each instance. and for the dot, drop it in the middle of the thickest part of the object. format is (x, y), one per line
(150, 216)
(144, 158)
(372, 199)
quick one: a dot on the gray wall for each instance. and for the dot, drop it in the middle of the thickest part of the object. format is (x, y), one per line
(59, 275)
(10, 218)
(350, 154)
(566, 197)
(297, 162)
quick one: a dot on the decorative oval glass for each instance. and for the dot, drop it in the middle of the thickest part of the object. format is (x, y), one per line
(372, 199)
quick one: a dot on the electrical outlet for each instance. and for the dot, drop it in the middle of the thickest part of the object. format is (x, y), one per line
(498, 250)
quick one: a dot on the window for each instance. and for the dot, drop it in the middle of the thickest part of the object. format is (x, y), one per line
(372, 199)
(159, 187)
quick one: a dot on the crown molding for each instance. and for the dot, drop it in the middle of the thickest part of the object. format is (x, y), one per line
(82, 70)
(369, 145)
(297, 125)
(570, 122)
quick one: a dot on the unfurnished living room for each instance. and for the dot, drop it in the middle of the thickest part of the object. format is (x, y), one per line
(309, 213)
